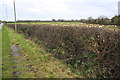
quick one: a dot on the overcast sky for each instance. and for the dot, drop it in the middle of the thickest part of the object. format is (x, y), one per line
(58, 9)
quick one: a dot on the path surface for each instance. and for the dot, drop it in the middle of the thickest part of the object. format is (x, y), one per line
(18, 68)
(1, 25)
(15, 49)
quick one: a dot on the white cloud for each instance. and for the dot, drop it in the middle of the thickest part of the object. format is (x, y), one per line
(65, 9)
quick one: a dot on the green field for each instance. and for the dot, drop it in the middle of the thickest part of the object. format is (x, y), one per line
(46, 23)
(112, 27)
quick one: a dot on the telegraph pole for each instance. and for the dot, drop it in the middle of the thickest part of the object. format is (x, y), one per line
(118, 8)
(15, 14)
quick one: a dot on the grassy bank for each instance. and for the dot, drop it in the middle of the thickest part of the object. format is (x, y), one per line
(0, 54)
(42, 64)
(7, 65)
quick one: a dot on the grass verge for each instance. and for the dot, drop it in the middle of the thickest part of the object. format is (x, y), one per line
(0, 54)
(6, 64)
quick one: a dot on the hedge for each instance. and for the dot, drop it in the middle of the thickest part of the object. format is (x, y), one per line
(90, 52)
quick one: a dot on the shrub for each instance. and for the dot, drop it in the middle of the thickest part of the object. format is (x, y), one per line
(92, 52)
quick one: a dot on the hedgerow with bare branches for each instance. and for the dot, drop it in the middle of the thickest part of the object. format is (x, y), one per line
(90, 52)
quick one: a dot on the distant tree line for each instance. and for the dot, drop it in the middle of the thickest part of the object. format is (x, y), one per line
(101, 20)
(115, 20)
